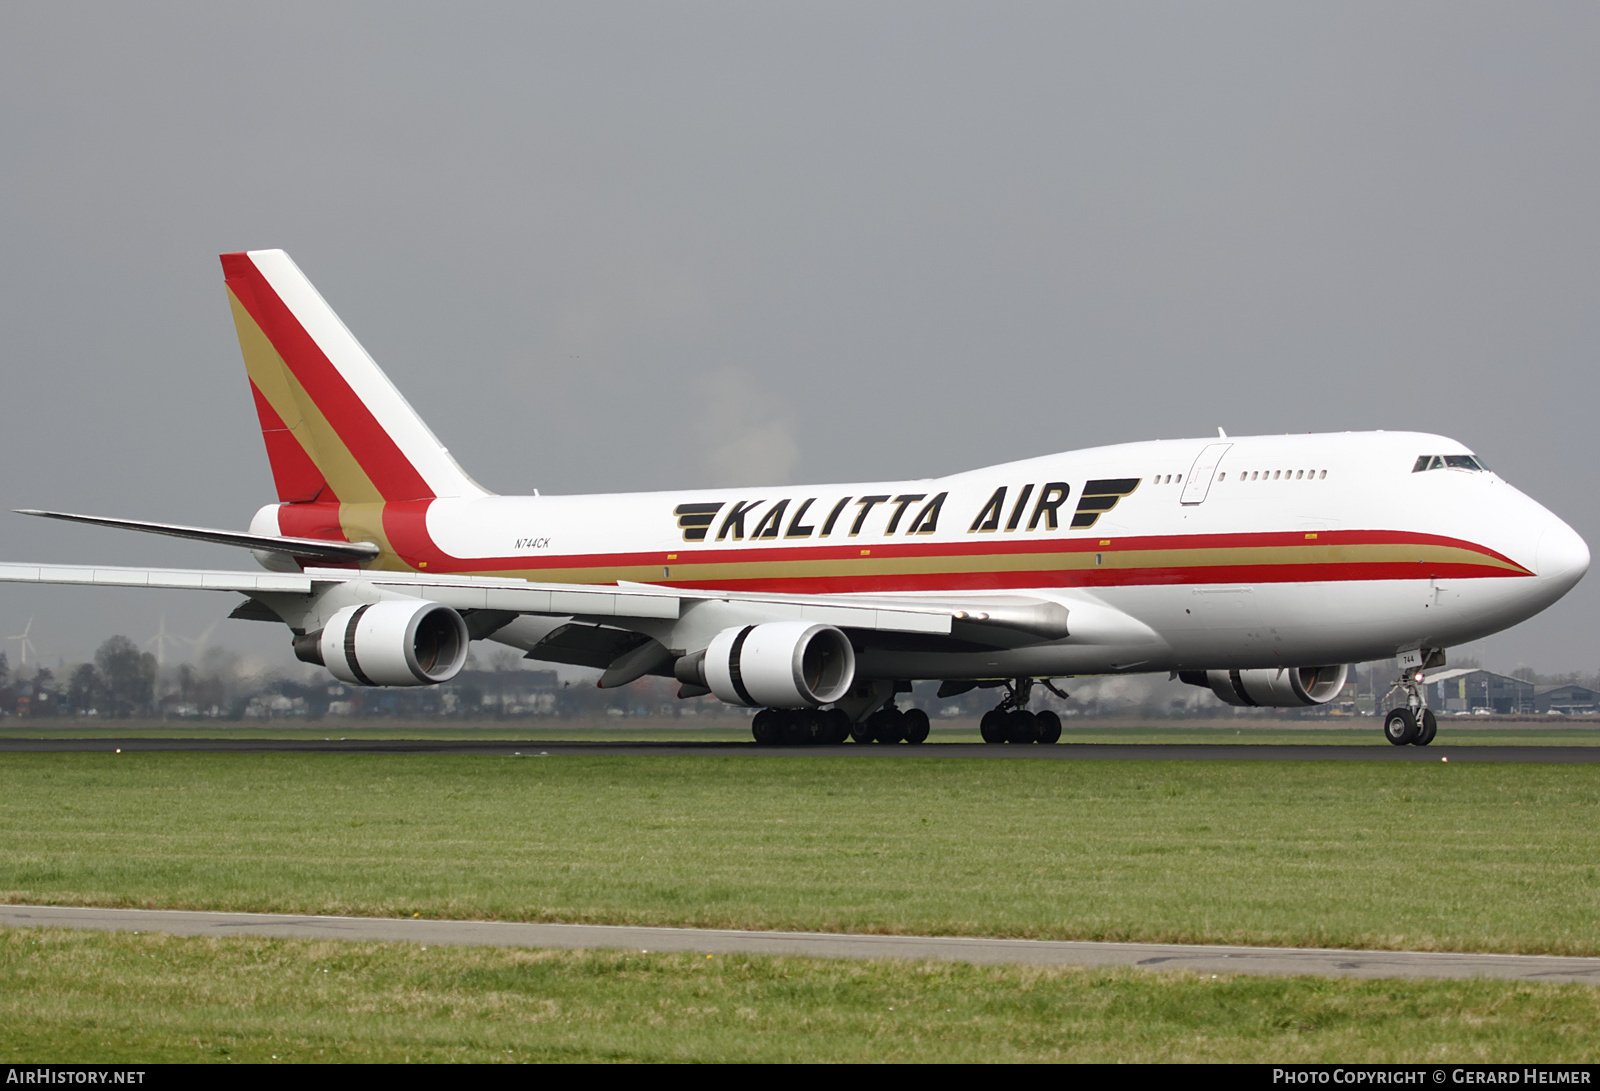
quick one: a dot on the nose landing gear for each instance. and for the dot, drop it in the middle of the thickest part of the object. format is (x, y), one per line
(1413, 724)
(1010, 721)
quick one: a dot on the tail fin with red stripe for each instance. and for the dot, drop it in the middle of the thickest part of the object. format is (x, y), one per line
(336, 429)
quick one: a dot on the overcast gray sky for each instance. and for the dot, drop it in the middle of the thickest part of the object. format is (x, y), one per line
(867, 240)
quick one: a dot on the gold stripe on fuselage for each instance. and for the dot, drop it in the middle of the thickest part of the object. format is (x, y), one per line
(1312, 556)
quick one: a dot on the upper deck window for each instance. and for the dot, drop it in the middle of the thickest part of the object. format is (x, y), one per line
(1448, 462)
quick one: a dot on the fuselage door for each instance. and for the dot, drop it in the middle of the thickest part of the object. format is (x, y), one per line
(1198, 483)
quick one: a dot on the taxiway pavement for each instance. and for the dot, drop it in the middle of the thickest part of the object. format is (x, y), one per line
(1268, 961)
(1379, 751)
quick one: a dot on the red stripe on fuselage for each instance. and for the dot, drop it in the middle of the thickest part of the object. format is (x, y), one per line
(407, 527)
(405, 524)
(319, 520)
(1127, 577)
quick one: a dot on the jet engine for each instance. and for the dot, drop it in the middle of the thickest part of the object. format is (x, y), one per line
(1279, 687)
(780, 664)
(390, 643)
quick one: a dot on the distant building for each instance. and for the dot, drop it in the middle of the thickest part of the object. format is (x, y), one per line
(1466, 689)
(1569, 700)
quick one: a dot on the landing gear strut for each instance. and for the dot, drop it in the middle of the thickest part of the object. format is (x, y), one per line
(1412, 724)
(1010, 720)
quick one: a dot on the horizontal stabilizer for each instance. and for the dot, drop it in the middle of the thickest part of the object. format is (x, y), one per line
(314, 548)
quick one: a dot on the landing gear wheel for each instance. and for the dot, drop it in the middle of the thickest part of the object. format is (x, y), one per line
(765, 726)
(1427, 728)
(1400, 726)
(1049, 727)
(796, 727)
(891, 725)
(993, 726)
(835, 727)
(864, 732)
(1021, 727)
(914, 724)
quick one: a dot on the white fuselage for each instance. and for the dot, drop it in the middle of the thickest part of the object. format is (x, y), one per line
(1168, 555)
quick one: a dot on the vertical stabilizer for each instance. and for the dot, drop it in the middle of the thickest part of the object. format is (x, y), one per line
(336, 429)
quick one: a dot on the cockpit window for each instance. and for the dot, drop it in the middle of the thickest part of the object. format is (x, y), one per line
(1448, 462)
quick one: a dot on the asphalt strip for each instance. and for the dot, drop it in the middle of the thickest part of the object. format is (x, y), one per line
(1379, 751)
(1266, 961)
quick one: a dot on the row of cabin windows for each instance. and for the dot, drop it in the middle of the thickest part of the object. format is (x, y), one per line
(1424, 462)
(1249, 475)
(1274, 475)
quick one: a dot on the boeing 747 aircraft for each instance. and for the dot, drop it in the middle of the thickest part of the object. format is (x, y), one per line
(1258, 567)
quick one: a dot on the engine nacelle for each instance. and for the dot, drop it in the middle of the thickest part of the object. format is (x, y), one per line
(392, 643)
(780, 664)
(1278, 687)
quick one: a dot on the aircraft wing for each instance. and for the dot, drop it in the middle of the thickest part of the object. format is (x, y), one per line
(936, 616)
(180, 578)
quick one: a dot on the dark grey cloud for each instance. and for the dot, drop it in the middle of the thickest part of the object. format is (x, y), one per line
(915, 237)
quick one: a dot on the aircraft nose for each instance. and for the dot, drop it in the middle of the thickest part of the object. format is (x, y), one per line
(1562, 558)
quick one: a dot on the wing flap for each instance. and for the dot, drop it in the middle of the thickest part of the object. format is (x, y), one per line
(174, 578)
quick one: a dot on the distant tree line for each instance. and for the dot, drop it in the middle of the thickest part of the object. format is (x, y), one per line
(124, 681)
(120, 682)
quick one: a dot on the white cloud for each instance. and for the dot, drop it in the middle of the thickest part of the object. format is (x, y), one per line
(746, 437)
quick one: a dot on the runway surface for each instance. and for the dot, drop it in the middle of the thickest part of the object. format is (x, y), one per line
(1268, 961)
(1379, 751)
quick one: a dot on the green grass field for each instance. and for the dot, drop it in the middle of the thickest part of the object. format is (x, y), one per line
(1424, 856)
(1459, 856)
(148, 998)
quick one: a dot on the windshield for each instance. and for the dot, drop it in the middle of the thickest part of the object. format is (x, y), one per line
(1448, 462)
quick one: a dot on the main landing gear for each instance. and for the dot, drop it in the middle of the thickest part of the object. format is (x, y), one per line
(1412, 724)
(1010, 720)
(800, 727)
(892, 725)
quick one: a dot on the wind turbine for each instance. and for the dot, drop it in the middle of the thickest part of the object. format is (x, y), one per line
(26, 644)
(198, 644)
(161, 640)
